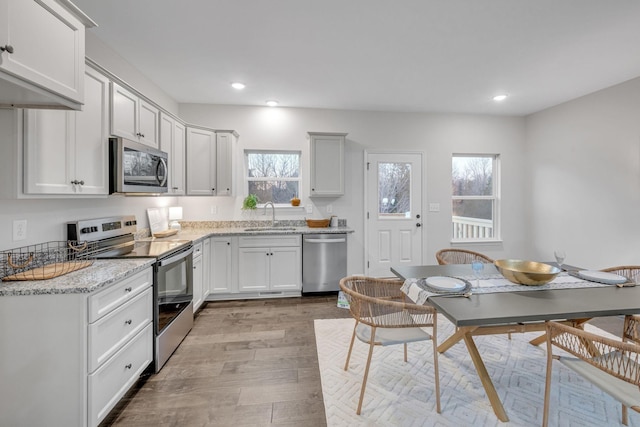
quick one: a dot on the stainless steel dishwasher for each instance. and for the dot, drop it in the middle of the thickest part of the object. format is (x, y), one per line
(324, 262)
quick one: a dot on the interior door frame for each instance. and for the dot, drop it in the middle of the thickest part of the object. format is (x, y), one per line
(423, 202)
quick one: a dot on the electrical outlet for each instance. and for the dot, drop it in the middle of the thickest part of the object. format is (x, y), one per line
(309, 209)
(214, 210)
(19, 229)
(329, 208)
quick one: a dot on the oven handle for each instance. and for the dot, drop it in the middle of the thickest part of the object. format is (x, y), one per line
(175, 258)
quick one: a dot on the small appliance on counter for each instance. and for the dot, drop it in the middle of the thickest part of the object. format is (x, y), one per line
(113, 237)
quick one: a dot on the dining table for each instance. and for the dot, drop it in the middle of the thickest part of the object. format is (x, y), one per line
(515, 309)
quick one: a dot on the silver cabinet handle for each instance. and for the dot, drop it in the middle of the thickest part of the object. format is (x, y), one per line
(128, 366)
(7, 48)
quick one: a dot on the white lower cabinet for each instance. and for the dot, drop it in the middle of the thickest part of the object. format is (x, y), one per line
(269, 264)
(201, 272)
(67, 359)
(224, 268)
(198, 276)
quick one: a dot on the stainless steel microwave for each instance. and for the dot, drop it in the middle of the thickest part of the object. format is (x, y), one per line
(136, 168)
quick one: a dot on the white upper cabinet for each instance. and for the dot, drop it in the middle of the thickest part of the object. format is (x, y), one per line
(225, 148)
(210, 157)
(134, 118)
(65, 152)
(42, 49)
(327, 164)
(201, 162)
(172, 141)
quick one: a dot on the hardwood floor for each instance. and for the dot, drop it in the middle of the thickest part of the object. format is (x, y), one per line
(244, 363)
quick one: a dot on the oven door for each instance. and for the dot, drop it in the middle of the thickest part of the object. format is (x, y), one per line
(174, 287)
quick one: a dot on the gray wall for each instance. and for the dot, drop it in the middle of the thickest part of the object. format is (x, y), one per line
(584, 178)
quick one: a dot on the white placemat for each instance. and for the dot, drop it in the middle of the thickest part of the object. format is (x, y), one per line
(492, 283)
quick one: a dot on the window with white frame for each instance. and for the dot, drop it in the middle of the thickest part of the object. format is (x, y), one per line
(475, 197)
(273, 175)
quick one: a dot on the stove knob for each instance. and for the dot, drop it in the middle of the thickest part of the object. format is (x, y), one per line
(94, 229)
(85, 230)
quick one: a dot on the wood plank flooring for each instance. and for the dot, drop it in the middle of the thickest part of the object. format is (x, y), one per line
(244, 363)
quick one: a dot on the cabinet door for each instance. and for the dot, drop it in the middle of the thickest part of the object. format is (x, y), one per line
(124, 116)
(253, 269)
(327, 165)
(148, 124)
(197, 282)
(285, 269)
(66, 151)
(48, 151)
(222, 265)
(48, 46)
(178, 164)
(92, 136)
(225, 144)
(206, 268)
(201, 162)
(172, 141)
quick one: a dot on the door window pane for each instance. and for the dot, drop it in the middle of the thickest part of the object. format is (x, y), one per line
(394, 190)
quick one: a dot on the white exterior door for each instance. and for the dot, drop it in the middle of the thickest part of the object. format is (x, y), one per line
(394, 212)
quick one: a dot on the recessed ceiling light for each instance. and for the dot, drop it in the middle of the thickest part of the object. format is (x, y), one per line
(272, 103)
(499, 98)
(238, 85)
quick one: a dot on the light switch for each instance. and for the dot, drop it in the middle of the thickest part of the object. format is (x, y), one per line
(329, 208)
(434, 207)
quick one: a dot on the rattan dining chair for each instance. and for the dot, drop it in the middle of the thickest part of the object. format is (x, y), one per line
(383, 318)
(611, 365)
(460, 256)
(631, 272)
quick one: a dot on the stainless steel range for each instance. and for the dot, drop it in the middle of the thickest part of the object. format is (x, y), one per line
(172, 274)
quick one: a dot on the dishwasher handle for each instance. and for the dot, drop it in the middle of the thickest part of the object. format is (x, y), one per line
(325, 240)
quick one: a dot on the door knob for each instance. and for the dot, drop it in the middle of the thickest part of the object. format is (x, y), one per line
(418, 224)
(7, 48)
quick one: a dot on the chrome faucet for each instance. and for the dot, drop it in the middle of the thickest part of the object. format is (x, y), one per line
(273, 212)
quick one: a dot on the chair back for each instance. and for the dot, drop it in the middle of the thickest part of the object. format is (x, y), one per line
(617, 358)
(460, 256)
(631, 272)
(380, 303)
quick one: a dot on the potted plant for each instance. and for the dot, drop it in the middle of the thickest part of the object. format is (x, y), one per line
(250, 202)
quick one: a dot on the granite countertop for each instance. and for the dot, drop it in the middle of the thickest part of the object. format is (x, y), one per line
(100, 274)
(104, 272)
(198, 234)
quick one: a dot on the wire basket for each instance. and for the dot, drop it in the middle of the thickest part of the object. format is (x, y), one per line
(45, 260)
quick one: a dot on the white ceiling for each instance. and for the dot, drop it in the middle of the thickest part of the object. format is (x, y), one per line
(382, 55)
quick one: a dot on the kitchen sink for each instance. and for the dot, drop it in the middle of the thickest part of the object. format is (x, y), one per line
(270, 229)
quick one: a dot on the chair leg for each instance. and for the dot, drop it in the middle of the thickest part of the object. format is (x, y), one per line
(436, 371)
(547, 386)
(405, 352)
(353, 337)
(366, 369)
(625, 416)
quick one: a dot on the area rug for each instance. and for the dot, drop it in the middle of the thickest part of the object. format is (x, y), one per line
(400, 394)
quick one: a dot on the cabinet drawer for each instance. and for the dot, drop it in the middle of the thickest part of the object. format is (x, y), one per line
(109, 299)
(197, 249)
(109, 383)
(110, 332)
(269, 242)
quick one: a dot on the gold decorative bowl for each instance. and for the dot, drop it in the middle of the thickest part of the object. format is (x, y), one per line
(526, 272)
